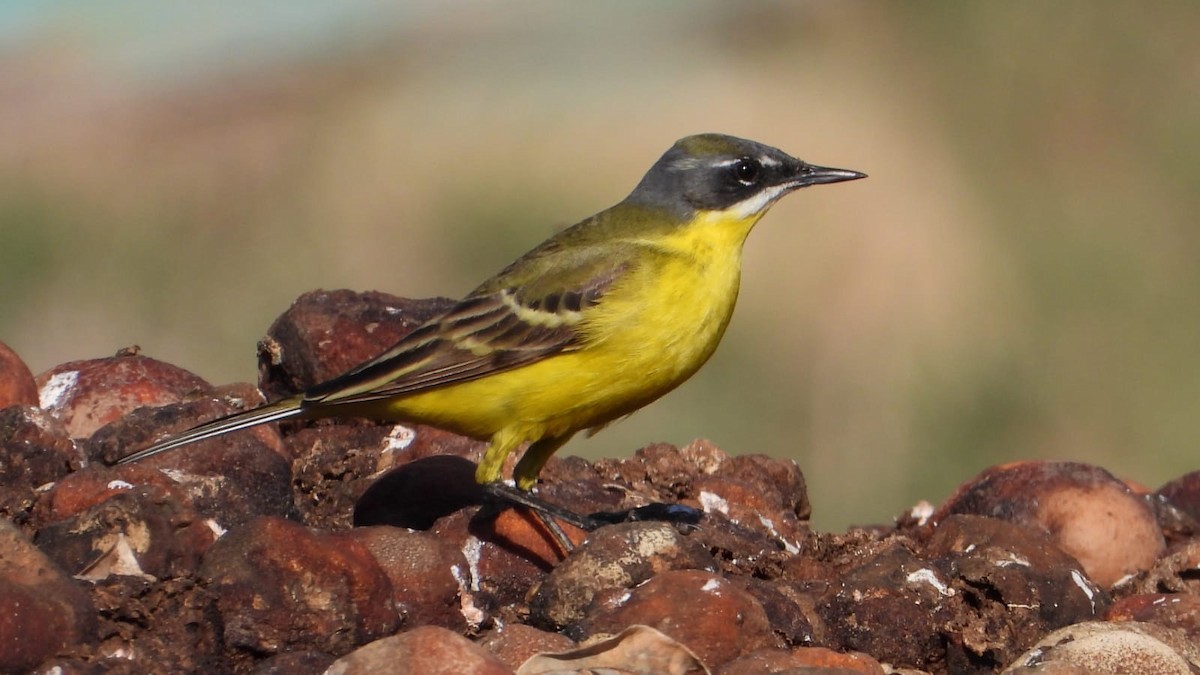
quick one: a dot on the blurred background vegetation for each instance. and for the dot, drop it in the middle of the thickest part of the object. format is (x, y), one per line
(1017, 279)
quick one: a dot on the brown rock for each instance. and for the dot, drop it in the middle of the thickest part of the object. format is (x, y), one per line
(614, 558)
(790, 608)
(426, 574)
(891, 605)
(514, 643)
(42, 610)
(281, 585)
(16, 382)
(34, 452)
(1089, 513)
(140, 530)
(290, 663)
(1183, 494)
(1179, 611)
(637, 650)
(783, 476)
(1173, 573)
(1100, 647)
(702, 610)
(427, 650)
(230, 478)
(499, 578)
(1006, 587)
(168, 626)
(86, 395)
(802, 660)
(325, 333)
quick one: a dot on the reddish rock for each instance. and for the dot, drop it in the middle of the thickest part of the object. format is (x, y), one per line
(515, 643)
(498, 577)
(86, 395)
(519, 529)
(802, 660)
(325, 333)
(614, 558)
(42, 610)
(140, 530)
(280, 585)
(427, 650)
(17, 386)
(1090, 514)
(703, 611)
(426, 574)
(781, 477)
(1179, 611)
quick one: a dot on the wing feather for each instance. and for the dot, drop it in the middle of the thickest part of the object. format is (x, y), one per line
(487, 332)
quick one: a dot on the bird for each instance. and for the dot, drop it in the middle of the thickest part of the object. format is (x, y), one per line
(592, 324)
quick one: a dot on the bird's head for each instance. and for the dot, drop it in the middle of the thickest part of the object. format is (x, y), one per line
(714, 172)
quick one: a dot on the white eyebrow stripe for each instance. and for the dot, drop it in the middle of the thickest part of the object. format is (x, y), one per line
(767, 160)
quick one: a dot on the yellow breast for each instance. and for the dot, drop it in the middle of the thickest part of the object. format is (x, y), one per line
(652, 330)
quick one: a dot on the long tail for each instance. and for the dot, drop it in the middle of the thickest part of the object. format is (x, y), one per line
(272, 412)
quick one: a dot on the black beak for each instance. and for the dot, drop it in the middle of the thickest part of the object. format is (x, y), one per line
(810, 174)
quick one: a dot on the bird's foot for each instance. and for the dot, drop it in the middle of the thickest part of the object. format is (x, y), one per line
(675, 514)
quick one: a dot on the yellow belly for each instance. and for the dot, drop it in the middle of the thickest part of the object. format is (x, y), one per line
(650, 332)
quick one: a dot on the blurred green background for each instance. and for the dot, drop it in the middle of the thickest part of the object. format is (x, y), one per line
(1017, 279)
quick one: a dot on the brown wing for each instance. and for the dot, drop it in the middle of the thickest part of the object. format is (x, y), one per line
(481, 335)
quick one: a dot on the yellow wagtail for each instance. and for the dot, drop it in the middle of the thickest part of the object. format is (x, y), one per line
(592, 324)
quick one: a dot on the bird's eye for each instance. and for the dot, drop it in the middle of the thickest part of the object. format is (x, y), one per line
(746, 171)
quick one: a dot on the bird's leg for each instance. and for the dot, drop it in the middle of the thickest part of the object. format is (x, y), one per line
(525, 475)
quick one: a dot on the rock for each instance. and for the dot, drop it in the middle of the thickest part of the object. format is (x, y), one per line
(303, 661)
(140, 530)
(1007, 587)
(230, 478)
(35, 451)
(720, 623)
(170, 625)
(515, 643)
(891, 605)
(1178, 611)
(426, 574)
(325, 333)
(1099, 647)
(427, 650)
(42, 610)
(637, 650)
(17, 386)
(615, 558)
(1183, 493)
(86, 395)
(802, 660)
(279, 585)
(1089, 513)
